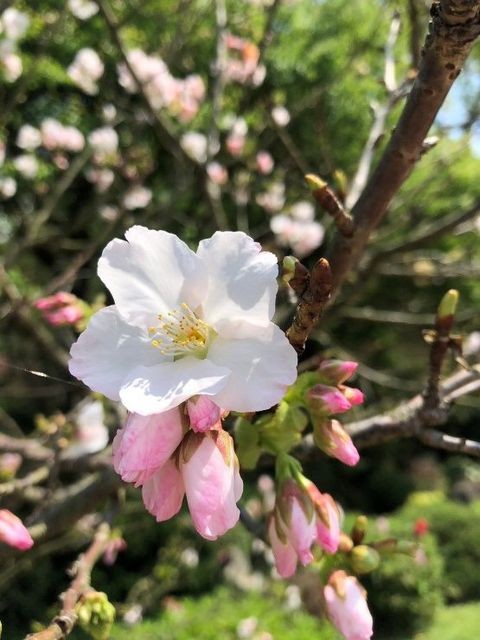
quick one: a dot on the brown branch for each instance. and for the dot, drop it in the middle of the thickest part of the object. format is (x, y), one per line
(327, 199)
(453, 29)
(20, 484)
(27, 447)
(415, 33)
(315, 293)
(433, 231)
(63, 623)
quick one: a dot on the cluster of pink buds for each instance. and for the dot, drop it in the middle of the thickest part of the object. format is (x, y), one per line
(331, 397)
(183, 452)
(301, 517)
(13, 532)
(243, 61)
(346, 606)
(61, 308)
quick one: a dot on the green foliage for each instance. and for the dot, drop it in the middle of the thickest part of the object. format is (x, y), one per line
(406, 587)
(218, 615)
(459, 622)
(456, 528)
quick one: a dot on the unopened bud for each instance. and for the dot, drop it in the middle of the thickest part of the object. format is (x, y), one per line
(289, 265)
(448, 304)
(345, 544)
(359, 529)
(364, 559)
(336, 371)
(315, 182)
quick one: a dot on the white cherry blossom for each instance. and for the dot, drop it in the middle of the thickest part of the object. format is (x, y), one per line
(186, 324)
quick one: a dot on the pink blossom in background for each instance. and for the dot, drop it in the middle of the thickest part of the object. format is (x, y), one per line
(102, 178)
(9, 465)
(61, 308)
(237, 138)
(137, 197)
(243, 61)
(10, 64)
(217, 173)
(86, 69)
(346, 605)
(13, 532)
(114, 547)
(264, 162)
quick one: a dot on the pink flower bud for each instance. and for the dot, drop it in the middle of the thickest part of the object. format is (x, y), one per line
(163, 492)
(331, 437)
(328, 399)
(145, 444)
(347, 609)
(283, 552)
(327, 520)
(13, 532)
(336, 371)
(61, 308)
(209, 469)
(354, 396)
(203, 413)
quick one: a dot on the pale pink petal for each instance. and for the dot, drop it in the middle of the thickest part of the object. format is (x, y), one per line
(242, 279)
(163, 492)
(145, 444)
(262, 367)
(148, 390)
(212, 485)
(347, 607)
(13, 532)
(284, 553)
(108, 350)
(301, 532)
(328, 535)
(202, 413)
(152, 273)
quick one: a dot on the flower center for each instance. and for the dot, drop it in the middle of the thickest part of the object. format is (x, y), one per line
(180, 333)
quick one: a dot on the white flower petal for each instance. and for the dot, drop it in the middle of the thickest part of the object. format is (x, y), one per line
(242, 279)
(262, 368)
(150, 390)
(152, 273)
(108, 350)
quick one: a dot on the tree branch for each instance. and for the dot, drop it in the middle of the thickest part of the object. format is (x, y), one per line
(454, 26)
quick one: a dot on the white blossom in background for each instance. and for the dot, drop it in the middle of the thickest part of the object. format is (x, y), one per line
(280, 116)
(298, 229)
(86, 69)
(27, 165)
(10, 64)
(137, 197)
(186, 324)
(28, 137)
(83, 9)
(15, 24)
(109, 112)
(8, 187)
(104, 142)
(56, 136)
(102, 178)
(195, 145)
(90, 434)
(273, 199)
(108, 212)
(217, 173)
